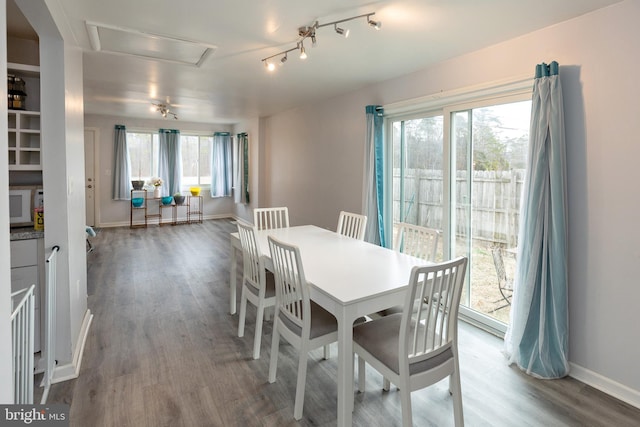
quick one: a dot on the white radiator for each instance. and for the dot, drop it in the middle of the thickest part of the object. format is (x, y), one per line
(49, 348)
(22, 333)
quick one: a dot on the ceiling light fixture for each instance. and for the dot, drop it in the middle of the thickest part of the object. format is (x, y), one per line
(309, 32)
(164, 111)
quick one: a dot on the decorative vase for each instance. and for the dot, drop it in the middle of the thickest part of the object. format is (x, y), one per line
(156, 192)
(137, 184)
(178, 199)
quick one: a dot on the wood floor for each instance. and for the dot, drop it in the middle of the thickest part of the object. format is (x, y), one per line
(163, 351)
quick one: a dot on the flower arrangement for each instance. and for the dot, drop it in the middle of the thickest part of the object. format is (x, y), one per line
(156, 181)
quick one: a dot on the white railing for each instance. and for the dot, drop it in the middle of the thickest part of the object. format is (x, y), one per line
(49, 348)
(22, 335)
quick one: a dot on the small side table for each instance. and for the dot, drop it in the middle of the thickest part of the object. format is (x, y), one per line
(142, 208)
(194, 213)
(176, 216)
(161, 208)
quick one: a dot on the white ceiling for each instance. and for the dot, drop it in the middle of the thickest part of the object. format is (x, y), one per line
(233, 84)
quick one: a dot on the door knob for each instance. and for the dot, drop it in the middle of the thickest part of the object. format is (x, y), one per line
(89, 186)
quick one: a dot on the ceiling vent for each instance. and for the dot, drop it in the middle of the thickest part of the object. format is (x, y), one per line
(125, 41)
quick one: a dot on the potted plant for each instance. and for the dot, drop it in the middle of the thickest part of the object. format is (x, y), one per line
(178, 198)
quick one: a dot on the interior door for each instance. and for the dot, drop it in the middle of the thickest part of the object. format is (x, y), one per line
(89, 173)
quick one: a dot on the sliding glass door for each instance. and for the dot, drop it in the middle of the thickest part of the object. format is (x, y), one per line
(461, 170)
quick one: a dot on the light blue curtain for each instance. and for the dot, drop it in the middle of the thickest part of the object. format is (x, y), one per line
(121, 188)
(537, 338)
(221, 170)
(373, 185)
(170, 161)
(241, 169)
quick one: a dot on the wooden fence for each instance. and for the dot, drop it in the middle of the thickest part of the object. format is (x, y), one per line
(495, 203)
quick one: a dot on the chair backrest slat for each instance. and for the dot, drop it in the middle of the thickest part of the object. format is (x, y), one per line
(352, 225)
(270, 218)
(431, 310)
(417, 241)
(292, 295)
(253, 266)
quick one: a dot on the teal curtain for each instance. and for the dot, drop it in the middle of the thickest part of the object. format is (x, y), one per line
(121, 188)
(170, 161)
(373, 200)
(221, 166)
(537, 338)
(241, 169)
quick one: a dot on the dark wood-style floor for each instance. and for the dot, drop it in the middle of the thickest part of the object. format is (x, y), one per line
(163, 351)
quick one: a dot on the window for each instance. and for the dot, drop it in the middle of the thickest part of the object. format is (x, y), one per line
(459, 168)
(196, 160)
(143, 154)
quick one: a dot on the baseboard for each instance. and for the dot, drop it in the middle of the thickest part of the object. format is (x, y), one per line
(126, 223)
(606, 385)
(72, 370)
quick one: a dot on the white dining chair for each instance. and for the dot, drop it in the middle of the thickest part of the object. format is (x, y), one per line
(352, 225)
(270, 218)
(258, 284)
(417, 241)
(300, 321)
(418, 347)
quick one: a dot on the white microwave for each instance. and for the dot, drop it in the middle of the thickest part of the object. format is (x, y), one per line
(22, 201)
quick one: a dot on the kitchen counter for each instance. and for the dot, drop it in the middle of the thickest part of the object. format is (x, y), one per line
(25, 233)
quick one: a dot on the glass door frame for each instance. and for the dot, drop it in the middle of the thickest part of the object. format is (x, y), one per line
(518, 91)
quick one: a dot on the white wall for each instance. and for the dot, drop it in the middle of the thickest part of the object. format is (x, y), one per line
(315, 160)
(6, 388)
(63, 173)
(110, 212)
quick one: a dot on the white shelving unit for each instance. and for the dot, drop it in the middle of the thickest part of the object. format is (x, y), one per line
(25, 142)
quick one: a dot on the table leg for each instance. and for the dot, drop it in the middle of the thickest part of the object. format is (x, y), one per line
(345, 369)
(232, 283)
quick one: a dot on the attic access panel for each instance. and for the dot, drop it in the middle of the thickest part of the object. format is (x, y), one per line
(127, 41)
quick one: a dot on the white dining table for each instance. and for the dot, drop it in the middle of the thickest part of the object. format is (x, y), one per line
(349, 278)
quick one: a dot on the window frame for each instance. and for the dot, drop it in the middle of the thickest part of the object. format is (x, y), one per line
(199, 135)
(155, 141)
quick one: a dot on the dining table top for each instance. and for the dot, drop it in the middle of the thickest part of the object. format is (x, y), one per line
(348, 269)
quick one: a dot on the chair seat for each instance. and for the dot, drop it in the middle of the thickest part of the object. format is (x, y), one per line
(270, 289)
(381, 338)
(322, 322)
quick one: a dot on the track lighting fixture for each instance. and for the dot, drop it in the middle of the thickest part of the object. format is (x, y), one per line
(164, 111)
(309, 32)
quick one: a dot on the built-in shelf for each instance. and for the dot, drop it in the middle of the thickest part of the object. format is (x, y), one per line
(24, 138)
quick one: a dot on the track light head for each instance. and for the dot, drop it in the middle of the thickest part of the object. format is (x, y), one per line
(303, 53)
(283, 59)
(375, 24)
(341, 31)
